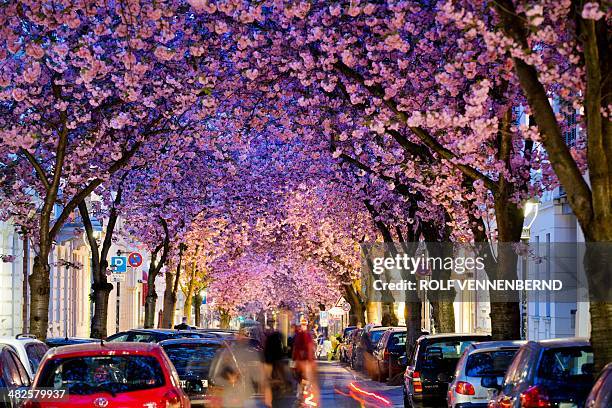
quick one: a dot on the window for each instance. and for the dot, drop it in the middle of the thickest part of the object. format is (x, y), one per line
(10, 373)
(118, 337)
(143, 338)
(566, 365)
(192, 358)
(489, 363)
(25, 378)
(570, 124)
(397, 342)
(94, 374)
(35, 352)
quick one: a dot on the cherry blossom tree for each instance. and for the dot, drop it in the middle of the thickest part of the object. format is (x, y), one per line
(84, 86)
(559, 54)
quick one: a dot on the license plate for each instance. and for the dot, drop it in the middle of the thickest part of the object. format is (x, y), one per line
(205, 383)
(567, 405)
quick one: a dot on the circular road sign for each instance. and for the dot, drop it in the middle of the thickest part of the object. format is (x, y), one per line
(135, 259)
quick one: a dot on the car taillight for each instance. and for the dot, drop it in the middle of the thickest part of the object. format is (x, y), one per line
(173, 399)
(464, 388)
(386, 354)
(534, 397)
(417, 386)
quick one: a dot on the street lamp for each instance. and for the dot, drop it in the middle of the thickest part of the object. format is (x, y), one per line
(530, 209)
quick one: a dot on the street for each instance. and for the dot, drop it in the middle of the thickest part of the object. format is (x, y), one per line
(342, 387)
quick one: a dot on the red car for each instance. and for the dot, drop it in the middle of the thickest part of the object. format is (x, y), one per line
(107, 375)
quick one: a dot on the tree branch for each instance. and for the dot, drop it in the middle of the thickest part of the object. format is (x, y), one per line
(42, 176)
(422, 134)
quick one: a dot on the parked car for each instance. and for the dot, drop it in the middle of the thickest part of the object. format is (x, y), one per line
(347, 330)
(488, 358)
(29, 350)
(546, 373)
(13, 377)
(364, 347)
(67, 341)
(342, 345)
(391, 346)
(351, 345)
(601, 393)
(192, 359)
(154, 335)
(110, 374)
(431, 366)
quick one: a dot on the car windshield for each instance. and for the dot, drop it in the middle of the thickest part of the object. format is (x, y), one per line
(489, 363)
(376, 335)
(191, 359)
(35, 352)
(397, 342)
(442, 355)
(93, 374)
(567, 365)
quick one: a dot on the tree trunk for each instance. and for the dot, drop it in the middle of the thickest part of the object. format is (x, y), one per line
(224, 318)
(150, 302)
(412, 315)
(357, 312)
(187, 308)
(598, 264)
(169, 302)
(389, 318)
(198, 315)
(40, 289)
(99, 320)
(444, 316)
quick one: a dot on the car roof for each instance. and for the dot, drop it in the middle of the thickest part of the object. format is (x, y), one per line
(103, 348)
(378, 329)
(20, 341)
(496, 345)
(564, 342)
(71, 338)
(202, 340)
(161, 331)
(452, 335)
(397, 329)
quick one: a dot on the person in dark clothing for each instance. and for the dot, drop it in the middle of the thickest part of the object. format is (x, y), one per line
(276, 371)
(183, 325)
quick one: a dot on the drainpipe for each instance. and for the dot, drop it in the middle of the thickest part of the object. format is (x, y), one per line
(26, 267)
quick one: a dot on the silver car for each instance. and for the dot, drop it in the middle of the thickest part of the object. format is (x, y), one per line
(485, 359)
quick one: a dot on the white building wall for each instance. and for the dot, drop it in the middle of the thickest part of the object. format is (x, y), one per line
(11, 281)
(555, 223)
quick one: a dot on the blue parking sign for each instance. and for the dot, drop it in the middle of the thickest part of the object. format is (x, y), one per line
(119, 264)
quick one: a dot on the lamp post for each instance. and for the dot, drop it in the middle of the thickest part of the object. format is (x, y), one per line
(531, 209)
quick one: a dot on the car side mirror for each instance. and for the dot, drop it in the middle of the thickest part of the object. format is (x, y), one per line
(445, 378)
(490, 382)
(403, 360)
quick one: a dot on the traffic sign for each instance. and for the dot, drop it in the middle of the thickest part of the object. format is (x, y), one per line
(323, 318)
(135, 259)
(346, 307)
(119, 264)
(117, 277)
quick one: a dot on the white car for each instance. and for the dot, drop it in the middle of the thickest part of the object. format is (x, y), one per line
(29, 350)
(485, 359)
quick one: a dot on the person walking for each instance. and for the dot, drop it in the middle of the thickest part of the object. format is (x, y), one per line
(279, 384)
(303, 357)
